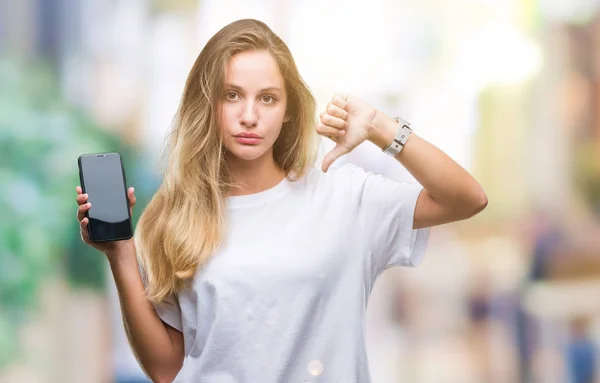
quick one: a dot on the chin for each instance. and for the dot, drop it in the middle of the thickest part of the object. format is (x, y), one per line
(247, 153)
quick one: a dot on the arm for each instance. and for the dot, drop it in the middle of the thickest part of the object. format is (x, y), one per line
(451, 193)
(157, 346)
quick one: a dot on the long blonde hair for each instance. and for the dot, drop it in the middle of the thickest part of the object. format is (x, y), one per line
(184, 223)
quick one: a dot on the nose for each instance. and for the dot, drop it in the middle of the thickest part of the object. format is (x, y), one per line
(249, 116)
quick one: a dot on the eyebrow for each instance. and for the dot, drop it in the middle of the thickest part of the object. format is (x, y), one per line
(268, 89)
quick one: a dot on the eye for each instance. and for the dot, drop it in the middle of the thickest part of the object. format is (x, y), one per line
(231, 96)
(268, 99)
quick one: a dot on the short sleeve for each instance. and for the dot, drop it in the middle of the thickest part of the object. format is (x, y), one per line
(169, 312)
(168, 309)
(387, 209)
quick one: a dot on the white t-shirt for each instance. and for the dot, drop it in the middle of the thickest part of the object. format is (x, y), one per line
(284, 298)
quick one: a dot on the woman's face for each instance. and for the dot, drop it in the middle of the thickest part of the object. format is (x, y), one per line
(253, 105)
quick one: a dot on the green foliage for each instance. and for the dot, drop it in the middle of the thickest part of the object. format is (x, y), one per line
(41, 137)
(587, 173)
(165, 6)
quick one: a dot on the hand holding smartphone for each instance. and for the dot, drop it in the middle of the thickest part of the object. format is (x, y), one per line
(105, 203)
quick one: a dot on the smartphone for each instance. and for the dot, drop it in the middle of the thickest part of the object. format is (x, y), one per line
(102, 177)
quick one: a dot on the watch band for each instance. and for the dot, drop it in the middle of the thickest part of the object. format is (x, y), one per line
(404, 131)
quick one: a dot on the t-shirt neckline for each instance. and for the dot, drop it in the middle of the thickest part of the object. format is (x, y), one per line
(259, 198)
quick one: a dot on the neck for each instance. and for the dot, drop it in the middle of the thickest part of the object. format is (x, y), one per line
(254, 176)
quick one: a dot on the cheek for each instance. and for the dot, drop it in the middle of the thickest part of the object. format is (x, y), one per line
(274, 120)
(228, 116)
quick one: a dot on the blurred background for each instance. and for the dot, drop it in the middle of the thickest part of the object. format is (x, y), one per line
(508, 88)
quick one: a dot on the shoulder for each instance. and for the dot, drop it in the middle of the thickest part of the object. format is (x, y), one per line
(348, 175)
(348, 170)
(343, 177)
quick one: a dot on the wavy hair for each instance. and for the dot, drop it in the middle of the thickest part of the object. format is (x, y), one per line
(184, 223)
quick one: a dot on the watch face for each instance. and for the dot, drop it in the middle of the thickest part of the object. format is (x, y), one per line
(404, 132)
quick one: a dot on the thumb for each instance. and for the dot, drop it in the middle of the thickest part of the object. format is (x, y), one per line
(340, 100)
(333, 155)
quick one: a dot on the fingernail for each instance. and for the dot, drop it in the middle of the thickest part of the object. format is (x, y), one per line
(132, 189)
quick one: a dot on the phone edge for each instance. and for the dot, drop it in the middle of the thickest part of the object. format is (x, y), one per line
(82, 182)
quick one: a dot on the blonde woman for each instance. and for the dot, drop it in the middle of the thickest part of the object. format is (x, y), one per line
(255, 265)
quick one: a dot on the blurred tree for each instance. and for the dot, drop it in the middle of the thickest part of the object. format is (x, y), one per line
(41, 137)
(587, 173)
(161, 6)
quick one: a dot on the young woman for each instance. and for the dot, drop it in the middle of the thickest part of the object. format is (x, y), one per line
(254, 265)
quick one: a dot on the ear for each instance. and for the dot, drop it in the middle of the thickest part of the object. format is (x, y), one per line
(287, 118)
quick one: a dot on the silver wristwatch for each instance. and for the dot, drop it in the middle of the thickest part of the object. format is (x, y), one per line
(404, 131)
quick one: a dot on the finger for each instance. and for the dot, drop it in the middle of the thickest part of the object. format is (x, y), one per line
(78, 189)
(131, 196)
(82, 210)
(132, 199)
(82, 198)
(325, 130)
(333, 155)
(83, 224)
(332, 121)
(336, 111)
(340, 100)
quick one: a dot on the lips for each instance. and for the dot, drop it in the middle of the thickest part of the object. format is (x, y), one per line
(247, 138)
(247, 135)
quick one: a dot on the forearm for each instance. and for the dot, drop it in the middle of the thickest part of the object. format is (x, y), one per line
(445, 180)
(147, 334)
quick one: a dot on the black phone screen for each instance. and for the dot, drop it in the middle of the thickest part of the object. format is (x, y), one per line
(103, 178)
